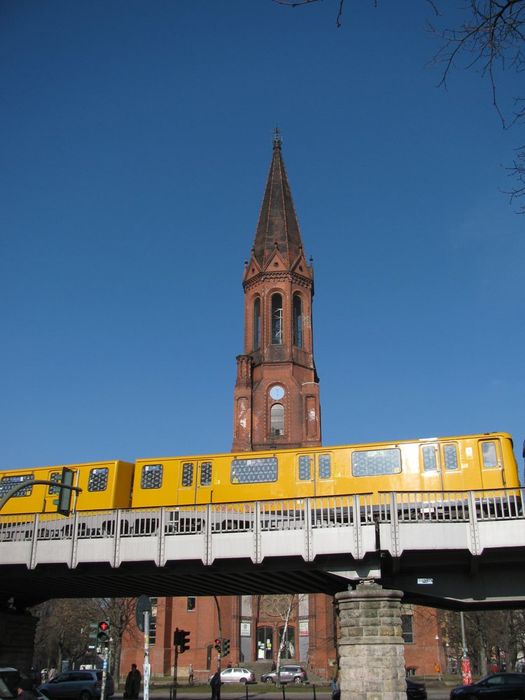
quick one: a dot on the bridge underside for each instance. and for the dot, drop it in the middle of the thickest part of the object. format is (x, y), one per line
(454, 580)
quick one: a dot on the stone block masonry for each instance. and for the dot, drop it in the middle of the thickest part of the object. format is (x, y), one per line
(371, 650)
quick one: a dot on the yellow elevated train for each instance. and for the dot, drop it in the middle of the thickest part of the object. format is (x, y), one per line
(470, 462)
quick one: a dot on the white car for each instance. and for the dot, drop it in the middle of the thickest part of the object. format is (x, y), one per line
(236, 674)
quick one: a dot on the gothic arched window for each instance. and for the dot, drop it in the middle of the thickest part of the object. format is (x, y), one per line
(297, 321)
(256, 323)
(277, 419)
(277, 319)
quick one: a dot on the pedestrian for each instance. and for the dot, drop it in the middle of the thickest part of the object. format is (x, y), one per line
(24, 690)
(132, 687)
(215, 683)
(190, 674)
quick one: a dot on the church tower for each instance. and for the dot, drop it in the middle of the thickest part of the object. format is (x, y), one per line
(276, 396)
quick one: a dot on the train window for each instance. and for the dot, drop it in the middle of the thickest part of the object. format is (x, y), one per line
(98, 479)
(151, 477)
(7, 483)
(489, 454)
(56, 477)
(376, 462)
(325, 466)
(430, 458)
(187, 474)
(253, 471)
(205, 473)
(450, 455)
(305, 468)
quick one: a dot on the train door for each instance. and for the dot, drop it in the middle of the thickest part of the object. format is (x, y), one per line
(315, 469)
(204, 482)
(491, 463)
(324, 472)
(51, 492)
(452, 468)
(306, 475)
(431, 465)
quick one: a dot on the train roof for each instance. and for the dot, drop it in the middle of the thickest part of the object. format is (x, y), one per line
(288, 450)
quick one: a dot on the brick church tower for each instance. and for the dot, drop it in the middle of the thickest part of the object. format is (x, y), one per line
(276, 397)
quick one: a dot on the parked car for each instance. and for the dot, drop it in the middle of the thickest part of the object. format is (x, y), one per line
(11, 679)
(496, 686)
(237, 674)
(77, 685)
(286, 674)
(416, 691)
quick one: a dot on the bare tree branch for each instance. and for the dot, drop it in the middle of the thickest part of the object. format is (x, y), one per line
(490, 37)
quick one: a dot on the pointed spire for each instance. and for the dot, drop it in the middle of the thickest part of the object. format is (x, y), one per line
(278, 228)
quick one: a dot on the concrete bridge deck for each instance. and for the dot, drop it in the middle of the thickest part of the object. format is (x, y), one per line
(456, 549)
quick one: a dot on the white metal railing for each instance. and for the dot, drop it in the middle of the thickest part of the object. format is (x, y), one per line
(450, 506)
(306, 526)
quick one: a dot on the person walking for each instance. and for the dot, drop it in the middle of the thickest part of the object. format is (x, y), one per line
(216, 686)
(24, 690)
(132, 687)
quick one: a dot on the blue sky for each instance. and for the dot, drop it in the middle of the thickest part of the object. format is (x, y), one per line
(135, 145)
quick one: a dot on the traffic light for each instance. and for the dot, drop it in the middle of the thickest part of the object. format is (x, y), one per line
(185, 641)
(181, 639)
(64, 494)
(93, 635)
(218, 645)
(103, 632)
(177, 637)
(225, 647)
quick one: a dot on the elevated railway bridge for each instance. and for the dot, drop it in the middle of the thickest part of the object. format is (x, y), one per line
(448, 549)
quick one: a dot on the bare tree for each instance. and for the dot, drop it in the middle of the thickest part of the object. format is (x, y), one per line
(63, 631)
(281, 608)
(64, 628)
(493, 637)
(120, 612)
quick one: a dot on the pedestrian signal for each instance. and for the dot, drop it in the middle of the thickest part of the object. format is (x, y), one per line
(225, 647)
(103, 632)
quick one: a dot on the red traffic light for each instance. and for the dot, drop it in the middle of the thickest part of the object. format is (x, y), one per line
(103, 626)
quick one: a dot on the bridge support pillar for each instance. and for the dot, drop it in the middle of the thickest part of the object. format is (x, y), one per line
(370, 645)
(17, 636)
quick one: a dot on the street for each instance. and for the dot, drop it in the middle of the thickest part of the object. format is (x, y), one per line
(253, 692)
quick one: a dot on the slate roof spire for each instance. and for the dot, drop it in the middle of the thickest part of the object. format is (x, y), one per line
(277, 227)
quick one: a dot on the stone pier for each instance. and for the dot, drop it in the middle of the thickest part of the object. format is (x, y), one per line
(371, 651)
